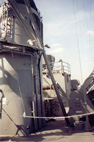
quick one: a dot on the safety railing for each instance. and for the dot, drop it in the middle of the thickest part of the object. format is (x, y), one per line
(90, 86)
(57, 67)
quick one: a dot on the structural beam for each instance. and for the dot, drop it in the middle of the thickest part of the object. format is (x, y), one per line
(56, 88)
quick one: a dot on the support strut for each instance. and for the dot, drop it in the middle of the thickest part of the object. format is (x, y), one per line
(55, 87)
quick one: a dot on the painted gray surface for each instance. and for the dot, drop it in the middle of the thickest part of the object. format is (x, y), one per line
(17, 77)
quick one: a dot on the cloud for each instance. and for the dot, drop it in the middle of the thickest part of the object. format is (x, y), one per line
(56, 51)
(90, 33)
(52, 28)
(56, 45)
(56, 48)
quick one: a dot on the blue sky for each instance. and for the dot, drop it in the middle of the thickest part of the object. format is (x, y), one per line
(1, 1)
(69, 31)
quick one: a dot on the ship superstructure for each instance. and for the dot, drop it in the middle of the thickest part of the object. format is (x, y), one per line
(21, 90)
(21, 41)
(62, 74)
(78, 100)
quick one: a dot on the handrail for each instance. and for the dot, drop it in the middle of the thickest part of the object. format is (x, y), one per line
(57, 67)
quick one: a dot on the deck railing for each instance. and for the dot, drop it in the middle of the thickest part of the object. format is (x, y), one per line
(57, 67)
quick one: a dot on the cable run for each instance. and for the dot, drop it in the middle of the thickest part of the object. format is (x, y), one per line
(54, 117)
(78, 42)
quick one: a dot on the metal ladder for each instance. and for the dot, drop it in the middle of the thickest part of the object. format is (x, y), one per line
(6, 22)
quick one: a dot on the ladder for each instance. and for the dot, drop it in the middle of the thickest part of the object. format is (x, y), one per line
(6, 22)
(31, 32)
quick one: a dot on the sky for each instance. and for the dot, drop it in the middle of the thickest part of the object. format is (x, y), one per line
(69, 31)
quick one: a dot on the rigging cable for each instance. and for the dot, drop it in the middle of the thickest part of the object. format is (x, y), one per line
(78, 42)
(89, 33)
